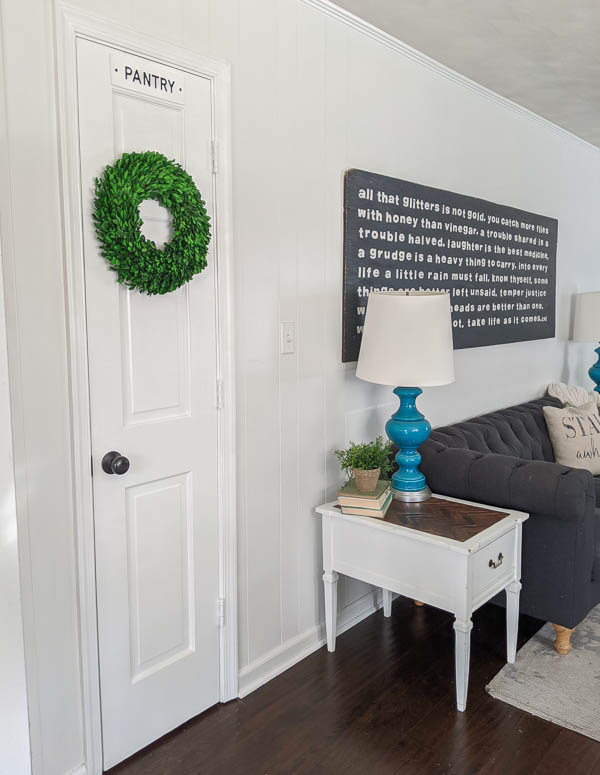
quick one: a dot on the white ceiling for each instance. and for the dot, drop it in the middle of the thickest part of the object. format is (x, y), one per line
(542, 54)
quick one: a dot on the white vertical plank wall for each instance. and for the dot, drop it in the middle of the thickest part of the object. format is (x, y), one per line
(288, 225)
(312, 96)
(15, 750)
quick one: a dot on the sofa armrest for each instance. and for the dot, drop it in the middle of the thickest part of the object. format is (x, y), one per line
(534, 486)
(558, 539)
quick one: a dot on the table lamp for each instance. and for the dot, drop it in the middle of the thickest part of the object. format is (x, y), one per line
(407, 341)
(586, 327)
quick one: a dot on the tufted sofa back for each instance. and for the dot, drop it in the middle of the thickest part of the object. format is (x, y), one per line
(519, 431)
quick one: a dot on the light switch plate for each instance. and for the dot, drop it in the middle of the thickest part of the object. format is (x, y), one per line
(288, 338)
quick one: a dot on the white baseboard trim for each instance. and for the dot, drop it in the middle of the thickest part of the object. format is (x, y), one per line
(279, 659)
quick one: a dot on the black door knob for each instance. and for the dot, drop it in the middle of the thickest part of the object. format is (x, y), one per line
(115, 463)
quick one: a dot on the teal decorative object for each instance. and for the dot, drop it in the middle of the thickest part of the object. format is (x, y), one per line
(594, 371)
(586, 327)
(407, 340)
(408, 429)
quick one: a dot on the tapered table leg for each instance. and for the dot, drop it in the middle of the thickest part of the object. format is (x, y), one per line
(462, 653)
(512, 620)
(387, 603)
(330, 580)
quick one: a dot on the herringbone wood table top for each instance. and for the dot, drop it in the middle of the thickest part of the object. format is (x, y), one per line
(458, 521)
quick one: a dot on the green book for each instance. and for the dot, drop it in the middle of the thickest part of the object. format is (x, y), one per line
(350, 490)
(364, 512)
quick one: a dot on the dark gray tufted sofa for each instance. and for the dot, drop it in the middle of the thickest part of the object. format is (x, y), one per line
(505, 459)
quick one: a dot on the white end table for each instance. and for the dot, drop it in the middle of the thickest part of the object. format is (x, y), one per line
(448, 553)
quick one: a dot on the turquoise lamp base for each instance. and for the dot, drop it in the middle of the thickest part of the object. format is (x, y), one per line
(408, 429)
(594, 371)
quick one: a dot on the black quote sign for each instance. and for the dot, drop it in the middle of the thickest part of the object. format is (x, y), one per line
(497, 262)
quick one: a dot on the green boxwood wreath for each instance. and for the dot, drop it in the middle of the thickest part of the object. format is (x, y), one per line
(136, 260)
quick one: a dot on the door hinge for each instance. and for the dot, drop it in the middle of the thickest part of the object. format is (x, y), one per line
(221, 612)
(220, 397)
(214, 156)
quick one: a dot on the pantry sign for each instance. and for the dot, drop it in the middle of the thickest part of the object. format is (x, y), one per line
(147, 77)
(497, 262)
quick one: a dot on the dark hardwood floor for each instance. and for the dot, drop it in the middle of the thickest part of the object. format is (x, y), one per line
(383, 704)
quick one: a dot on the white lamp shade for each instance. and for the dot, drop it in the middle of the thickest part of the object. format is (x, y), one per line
(407, 339)
(586, 325)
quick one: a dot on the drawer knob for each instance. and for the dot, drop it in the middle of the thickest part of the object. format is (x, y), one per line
(498, 562)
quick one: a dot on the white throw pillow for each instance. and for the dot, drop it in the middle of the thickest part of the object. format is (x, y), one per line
(572, 395)
(575, 435)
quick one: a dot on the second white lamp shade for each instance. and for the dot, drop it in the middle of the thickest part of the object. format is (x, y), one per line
(407, 339)
(586, 325)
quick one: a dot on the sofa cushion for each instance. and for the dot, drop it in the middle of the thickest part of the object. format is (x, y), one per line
(519, 431)
(596, 566)
(597, 488)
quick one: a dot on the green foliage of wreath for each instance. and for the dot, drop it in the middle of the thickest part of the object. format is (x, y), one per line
(138, 262)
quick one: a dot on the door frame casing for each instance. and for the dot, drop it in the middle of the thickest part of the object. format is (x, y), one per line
(71, 24)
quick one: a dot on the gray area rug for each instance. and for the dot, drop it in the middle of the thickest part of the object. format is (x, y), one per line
(565, 690)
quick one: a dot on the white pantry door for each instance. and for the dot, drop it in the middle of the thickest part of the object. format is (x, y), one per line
(152, 378)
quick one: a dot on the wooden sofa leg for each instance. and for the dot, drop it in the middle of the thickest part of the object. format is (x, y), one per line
(563, 639)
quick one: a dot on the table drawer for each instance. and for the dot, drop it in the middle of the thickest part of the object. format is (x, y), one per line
(493, 563)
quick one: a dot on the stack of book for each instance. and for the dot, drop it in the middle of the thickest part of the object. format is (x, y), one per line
(365, 504)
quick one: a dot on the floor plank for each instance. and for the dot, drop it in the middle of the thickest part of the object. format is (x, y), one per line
(570, 753)
(383, 704)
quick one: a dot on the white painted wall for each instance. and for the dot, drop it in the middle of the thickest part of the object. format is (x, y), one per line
(14, 722)
(15, 756)
(311, 98)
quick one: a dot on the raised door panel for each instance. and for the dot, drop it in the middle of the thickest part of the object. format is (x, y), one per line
(160, 570)
(143, 124)
(156, 355)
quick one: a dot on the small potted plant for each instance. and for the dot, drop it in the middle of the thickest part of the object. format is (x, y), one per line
(367, 462)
